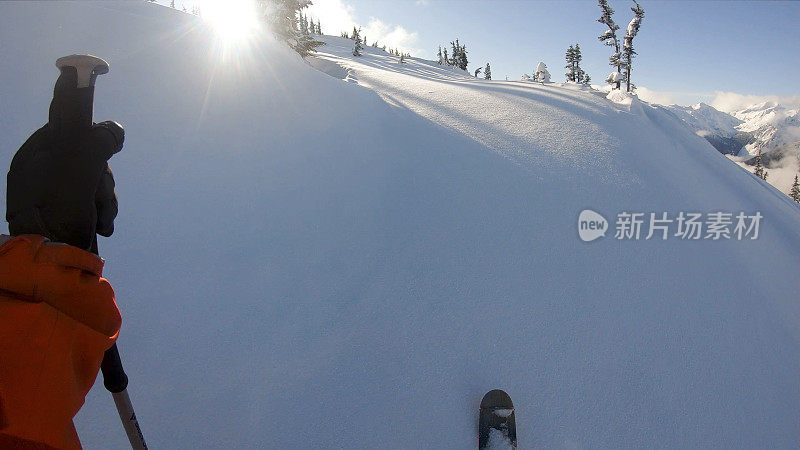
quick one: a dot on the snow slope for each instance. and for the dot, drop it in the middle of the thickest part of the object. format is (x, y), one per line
(307, 262)
(707, 119)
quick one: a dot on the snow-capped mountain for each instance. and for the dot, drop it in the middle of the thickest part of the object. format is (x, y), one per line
(770, 127)
(717, 127)
(706, 118)
(775, 128)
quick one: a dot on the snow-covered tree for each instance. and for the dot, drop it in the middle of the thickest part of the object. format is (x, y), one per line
(627, 43)
(462, 58)
(456, 49)
(759, 170)
(319, 28)
(283, 17)
(573, 58)
(487, 72)
(570, 58)
(402, 58)
(579, 72)
(794, 193)
(303, 24)
(446, 60)
(614, 78)
(172, 4)
(477, 71)
(610, 37)
(541, 74)
(586, 78)
(440, 61)
(357, 47)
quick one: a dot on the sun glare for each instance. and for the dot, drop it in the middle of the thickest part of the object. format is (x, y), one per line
(232, 20)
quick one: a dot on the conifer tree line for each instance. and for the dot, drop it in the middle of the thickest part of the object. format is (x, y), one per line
(307, 26)
(361, 42)
(287, 22)
(457, 58)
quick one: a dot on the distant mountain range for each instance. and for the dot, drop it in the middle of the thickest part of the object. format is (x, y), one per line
(770, 127)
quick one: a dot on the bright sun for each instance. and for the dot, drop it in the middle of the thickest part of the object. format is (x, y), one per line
(232, 20)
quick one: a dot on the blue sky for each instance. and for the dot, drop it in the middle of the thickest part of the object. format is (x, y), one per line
(688, 50)
(719, 52)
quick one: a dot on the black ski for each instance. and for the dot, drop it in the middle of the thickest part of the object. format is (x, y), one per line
(497, 427)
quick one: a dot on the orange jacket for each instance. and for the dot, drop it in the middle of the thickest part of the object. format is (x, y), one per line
(57, 318)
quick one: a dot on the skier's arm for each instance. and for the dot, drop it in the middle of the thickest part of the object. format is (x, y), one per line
(57, 313)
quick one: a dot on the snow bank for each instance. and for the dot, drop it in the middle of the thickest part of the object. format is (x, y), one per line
(360, 262)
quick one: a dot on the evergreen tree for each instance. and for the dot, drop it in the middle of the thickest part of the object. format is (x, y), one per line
(303, 24)
(586, 78)
(487, 72)
(570, 58)
(446, 60)
(402, 58)
(794, 193)
(579, 73)
(627, 44)
(541, 74)
(456, 48)
(357, 38)
(610, 36)
(440, 61)
(462, 57)
(172, 4)
(759, 170)
(477, 71)
(283, 18)
(319, 28)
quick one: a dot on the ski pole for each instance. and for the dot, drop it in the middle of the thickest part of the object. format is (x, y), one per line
(87, 68)
(116, 381)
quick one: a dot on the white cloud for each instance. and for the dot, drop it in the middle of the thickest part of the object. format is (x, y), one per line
(393, 36)
(651, 96)
(731, 101)
(336, 16)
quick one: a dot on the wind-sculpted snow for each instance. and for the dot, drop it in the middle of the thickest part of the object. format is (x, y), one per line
(303, 262)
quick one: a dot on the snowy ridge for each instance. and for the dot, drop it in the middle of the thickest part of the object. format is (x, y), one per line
(772, 125)
(353, 261)
(707, 120)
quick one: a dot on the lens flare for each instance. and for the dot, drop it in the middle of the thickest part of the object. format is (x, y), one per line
(232, 20)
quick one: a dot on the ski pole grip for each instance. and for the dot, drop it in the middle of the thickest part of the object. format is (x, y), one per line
(114, 378)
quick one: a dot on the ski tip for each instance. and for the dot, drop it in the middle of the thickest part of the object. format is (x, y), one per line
(496, 399)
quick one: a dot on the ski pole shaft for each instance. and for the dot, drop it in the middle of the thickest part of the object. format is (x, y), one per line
(78, 113)
(116, 381)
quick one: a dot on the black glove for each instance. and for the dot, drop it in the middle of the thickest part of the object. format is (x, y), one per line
(59, 184)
